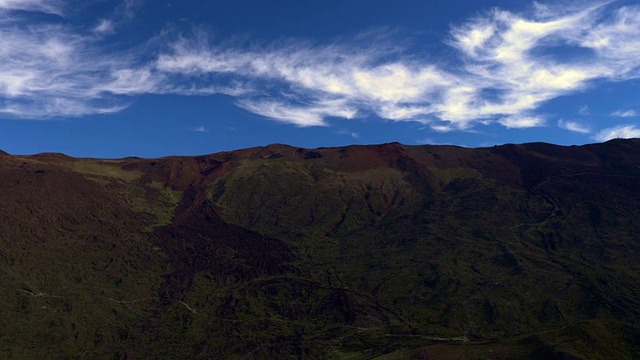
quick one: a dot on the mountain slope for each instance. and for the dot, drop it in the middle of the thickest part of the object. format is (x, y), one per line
(278, 252)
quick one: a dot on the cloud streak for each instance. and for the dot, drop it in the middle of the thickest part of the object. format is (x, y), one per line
(506, 68)
(45, 6)
(200, 129)
(46, 70)
(49, 70)
(618, 132)
(574, 126)
(624, 114)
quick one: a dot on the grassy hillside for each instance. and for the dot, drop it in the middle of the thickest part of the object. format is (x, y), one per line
(387, 251)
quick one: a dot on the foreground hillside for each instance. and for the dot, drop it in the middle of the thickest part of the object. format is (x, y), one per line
(390, 251)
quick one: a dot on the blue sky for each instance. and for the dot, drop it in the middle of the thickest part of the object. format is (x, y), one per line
(115, 78)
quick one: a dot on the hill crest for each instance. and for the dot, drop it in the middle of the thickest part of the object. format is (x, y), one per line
(354, 252)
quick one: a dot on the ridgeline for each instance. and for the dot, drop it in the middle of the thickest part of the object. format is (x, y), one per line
(390, 251)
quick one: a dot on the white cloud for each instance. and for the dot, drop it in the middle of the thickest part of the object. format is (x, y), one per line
(124, 13)
(354, 135)
(503, 60)
(573, 126)
(618, 132)
(47, 70)
(45, 6)
(617, 42)
(131, 81)
(584, 110)
(200, 129)
(504, 73)
(624, 113)
(129, 8)
(299, 115)
(521, 121)
(104, 26)
(316, 75)
(442, 127)
(58, 106)
(319, 75)
(52, 71)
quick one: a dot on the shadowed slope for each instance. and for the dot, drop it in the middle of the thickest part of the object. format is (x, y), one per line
(279, 252)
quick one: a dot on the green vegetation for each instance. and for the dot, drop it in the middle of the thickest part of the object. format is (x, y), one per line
(381, 252)
(103, 169)
(153, 199)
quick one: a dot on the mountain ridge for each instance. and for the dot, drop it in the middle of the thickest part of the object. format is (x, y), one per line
(352, 252)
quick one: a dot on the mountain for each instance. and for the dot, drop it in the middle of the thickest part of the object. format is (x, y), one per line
(361, 252)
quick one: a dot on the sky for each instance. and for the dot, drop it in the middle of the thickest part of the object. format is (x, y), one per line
(117, 78)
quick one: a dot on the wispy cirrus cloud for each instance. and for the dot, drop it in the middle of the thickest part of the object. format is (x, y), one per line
(353, 134)
(45, 6)
(123, 13)
(300, 115)
(574, 126)
(508, 69)
(200, 129)
(624, 113)
(618, 132)
(584, 110)
(129, 8)
(505, 67)
(616, 42)
(320, 80)
(104, 26)
(522, 121)
(48, 69)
